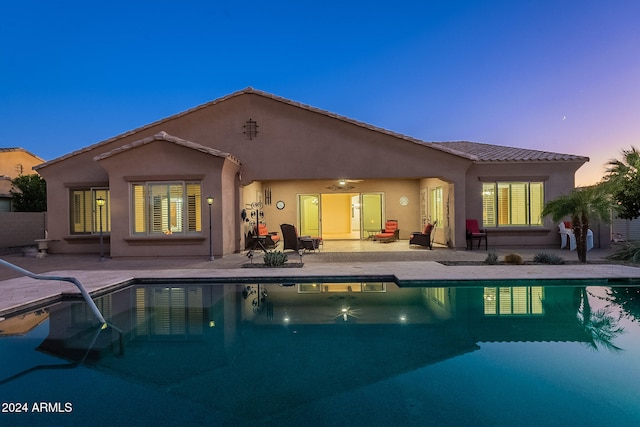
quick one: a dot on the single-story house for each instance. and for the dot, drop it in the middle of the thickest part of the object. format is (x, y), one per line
(263, 158)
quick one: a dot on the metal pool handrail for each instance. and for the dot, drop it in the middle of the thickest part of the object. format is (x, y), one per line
(73, 280)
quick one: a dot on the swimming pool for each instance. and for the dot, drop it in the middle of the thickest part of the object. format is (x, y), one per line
(328, 354)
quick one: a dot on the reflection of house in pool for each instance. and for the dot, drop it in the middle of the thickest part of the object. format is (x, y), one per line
(22, 324)
(299, 341)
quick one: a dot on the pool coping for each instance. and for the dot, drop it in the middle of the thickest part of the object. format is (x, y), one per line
(23, 294)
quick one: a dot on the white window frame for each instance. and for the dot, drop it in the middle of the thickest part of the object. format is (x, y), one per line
(176, 210)
(528, 208)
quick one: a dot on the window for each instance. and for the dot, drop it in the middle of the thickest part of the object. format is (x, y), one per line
(514, 301)
(166, 208)
(436, 212)
(435, 295)
(168, 313)
(85, 213)
(512, 204)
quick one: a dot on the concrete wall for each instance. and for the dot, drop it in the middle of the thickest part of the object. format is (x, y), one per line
(21, 229)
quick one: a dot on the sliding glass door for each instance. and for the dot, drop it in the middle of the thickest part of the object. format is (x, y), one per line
(309, 215)
(372, 213)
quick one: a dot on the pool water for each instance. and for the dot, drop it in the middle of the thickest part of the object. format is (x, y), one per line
(328, 354)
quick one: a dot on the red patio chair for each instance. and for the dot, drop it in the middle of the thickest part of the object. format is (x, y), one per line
(474, 232)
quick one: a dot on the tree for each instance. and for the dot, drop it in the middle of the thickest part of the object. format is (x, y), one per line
(600, 326)
(623, 181)
(581, 205)
(29, 193)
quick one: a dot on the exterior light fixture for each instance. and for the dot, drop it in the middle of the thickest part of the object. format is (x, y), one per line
(210, 203)
(100, 201)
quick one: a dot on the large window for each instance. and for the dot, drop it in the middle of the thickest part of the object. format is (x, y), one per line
(512, 203)
(168, 313)
(85, 213)
(166, 208)
(525, 300)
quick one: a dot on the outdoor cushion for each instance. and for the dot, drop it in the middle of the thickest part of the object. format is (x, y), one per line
(262, 231)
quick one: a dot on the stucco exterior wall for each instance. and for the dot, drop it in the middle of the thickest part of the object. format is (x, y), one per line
(164, 161)
(288, 191)
(13, 163)
(16, 162)
(296, 150)
(556, 182)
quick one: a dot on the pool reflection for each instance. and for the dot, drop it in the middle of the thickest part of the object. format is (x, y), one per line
(272, 346)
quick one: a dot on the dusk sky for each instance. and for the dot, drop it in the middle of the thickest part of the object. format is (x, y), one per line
(560, 76)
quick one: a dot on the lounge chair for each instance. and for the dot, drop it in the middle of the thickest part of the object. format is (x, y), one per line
(565, 231)
(566, 234)
(389, 233)
(294, 242)
(474, 232)
(424, 238)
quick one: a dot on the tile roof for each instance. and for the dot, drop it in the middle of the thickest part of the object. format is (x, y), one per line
(497, 153)
(164, 136)
(13, 149)
(469, 150)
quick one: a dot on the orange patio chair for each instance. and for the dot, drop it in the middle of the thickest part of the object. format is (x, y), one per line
(389, 233)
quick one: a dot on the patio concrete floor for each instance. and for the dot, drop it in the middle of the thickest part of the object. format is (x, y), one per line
(338, 260)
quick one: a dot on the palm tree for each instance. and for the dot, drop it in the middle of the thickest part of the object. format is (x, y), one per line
(600, 326)
(581, 205)
(623, 181)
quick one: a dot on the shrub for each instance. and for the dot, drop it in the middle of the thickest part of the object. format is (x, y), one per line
(544, 258)
(275, 259)
(628, 252)
(491, 259)
(513, 259)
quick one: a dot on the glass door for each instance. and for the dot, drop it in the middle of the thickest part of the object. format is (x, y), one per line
(371, 214)
(309, 219)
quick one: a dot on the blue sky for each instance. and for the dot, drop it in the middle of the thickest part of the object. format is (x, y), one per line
(559, 75)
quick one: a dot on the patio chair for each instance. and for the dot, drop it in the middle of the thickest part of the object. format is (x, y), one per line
(567, 235)
(474, 232)
(389, 233)
(424, 238)
(294, 242)
(264, 239)
(566, 232)
(272, 236)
